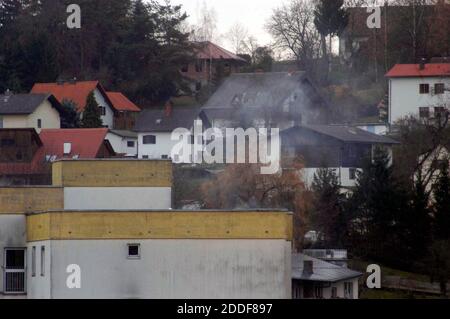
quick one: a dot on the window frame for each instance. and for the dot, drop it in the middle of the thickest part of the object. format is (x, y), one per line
(134, 257)
(42, 261)
(424, 88)
(39, 123)
(132, 143)
(441, 89)
(152, 140)
(33, 261)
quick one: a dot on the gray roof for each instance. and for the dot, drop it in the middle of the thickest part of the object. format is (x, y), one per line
(346, 134)
(322, 270)
(157, 121)
(124, 133)
(23, 104)
(274, 91)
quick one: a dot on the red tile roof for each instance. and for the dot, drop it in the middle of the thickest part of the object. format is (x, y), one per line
(77, 91)
(209, 50)
(85, 143)
(413, 70)
(121, 103)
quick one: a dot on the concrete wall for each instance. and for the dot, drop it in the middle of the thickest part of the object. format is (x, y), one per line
(405, 97)
(181, 269)
(131, 198)
(12, 235)
(112, 173)
(19, 200)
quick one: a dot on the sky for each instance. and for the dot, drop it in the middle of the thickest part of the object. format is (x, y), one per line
(253, 14)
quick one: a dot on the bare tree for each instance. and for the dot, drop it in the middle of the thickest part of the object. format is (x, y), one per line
(236, 36)
(205, 28)
(293, 30)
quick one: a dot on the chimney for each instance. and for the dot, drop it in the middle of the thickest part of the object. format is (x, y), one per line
(67, 148)
(168, 109)
(7, 95)
(308, 267)
(422, 64)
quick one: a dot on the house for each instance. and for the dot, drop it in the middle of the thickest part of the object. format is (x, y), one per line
(115, 214)
(419, 89)
(26, 156)
(125, 111)
(37, 111)
(313, 278)
(266, 100)
(124, 142)
(154, 128)
(337, 257)
(77, 92)
(210, 61)
(341, 148)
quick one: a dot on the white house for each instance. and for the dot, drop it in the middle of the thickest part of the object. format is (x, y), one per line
(38, 111)
(77, 92)
(155, 128)
(313, 278)
(418, 89)
(123, 142)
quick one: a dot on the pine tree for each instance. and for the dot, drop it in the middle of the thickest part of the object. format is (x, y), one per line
(327, 215)
(442, 204)
(69, 116)
(91, 115)
(379, 202)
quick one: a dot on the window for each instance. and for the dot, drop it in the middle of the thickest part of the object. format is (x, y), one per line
(145, 157)
(348, 290)
(318, 292)
(424, 88)
(185, 68)
(8, 142)
(130, 143)
(165, 157)
(134, 251)
(199, 66)
(102, 110)
(198, 86)
(42, 261)
(352, 174)
(439, 111)
(33, 261)
(439, 88)
(149, 139)
(424, 112)
(333, 292)
(39, 123)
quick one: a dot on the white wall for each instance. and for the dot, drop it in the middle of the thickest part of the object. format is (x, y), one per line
(342, 173)
(327, 291)
(173, 269)
(116, 198)
(39, 286)
(405, 98)
(108, 119)
(163, 145)
(12, 235)
(120, 144)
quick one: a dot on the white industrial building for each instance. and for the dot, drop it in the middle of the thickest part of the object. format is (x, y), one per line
(111, 220)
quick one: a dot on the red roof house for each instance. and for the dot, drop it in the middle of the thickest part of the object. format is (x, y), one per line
(418, 70)
(51, 145)
(121, 103)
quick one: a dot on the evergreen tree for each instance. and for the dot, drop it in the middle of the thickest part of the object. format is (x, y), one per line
(379, 203)
(327, 215)
(91, 115)
(69, 116)
(442, 204)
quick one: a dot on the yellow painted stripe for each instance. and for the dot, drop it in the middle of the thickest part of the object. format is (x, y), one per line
(159, 225)
(22, 200)
(112, 173)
